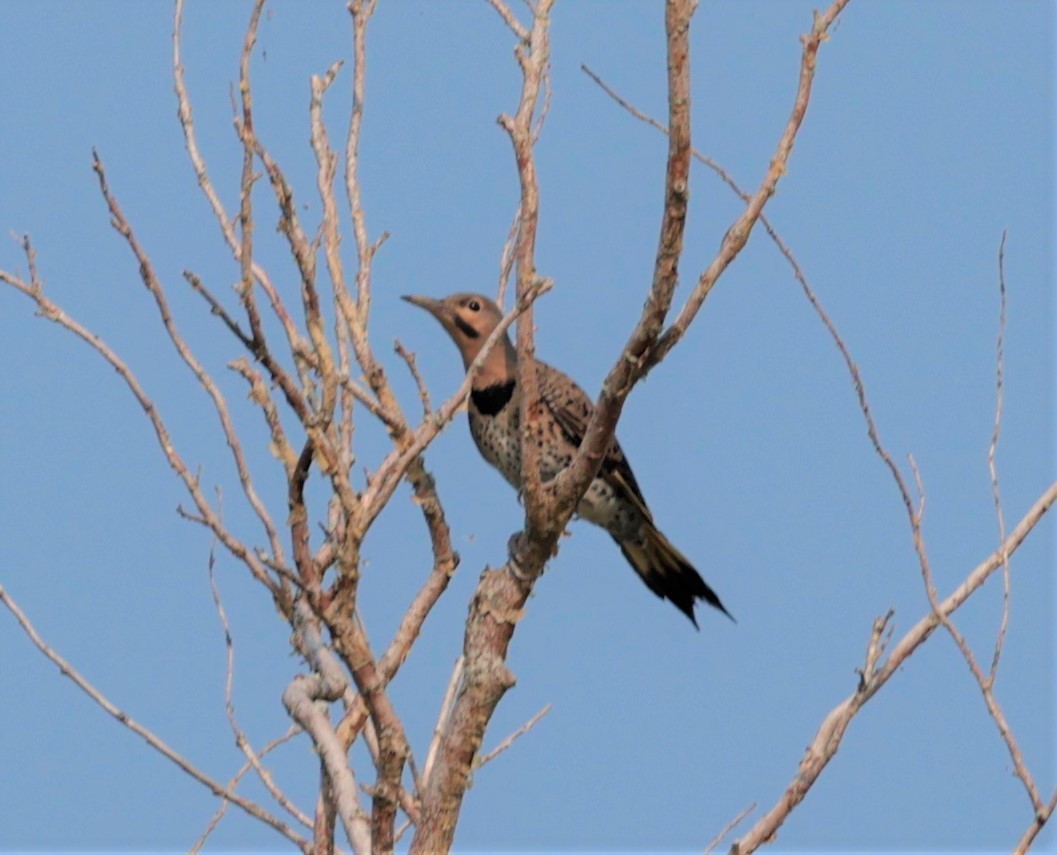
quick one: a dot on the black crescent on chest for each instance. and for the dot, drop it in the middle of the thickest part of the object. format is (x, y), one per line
(491, 399)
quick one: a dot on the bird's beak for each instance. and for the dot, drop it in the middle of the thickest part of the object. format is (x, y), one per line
(434, 307)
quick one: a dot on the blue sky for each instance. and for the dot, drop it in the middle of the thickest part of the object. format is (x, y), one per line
(929, 132)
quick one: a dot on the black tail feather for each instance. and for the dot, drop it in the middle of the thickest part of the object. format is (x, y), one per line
(668, 574)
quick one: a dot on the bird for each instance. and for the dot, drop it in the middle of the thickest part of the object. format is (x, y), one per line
(614, 500)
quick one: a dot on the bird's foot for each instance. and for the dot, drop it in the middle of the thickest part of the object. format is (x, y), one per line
(516, 547)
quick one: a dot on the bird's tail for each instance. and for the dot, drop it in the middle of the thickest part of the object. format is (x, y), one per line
(666, 571)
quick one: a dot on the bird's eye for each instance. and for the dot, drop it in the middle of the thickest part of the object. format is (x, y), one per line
(473, 306)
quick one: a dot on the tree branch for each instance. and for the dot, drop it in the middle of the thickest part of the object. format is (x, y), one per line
(298, 345)
(326, 683)
(53, 312)
(828, 738)
(154, 741)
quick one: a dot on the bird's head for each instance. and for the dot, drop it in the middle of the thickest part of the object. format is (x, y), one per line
(469, 319)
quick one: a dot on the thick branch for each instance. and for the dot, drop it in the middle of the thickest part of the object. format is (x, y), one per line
(631, 365)
(501, 595)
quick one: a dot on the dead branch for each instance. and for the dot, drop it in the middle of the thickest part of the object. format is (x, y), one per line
(53, 312)
(157, 291)
(218, 815)
(326, 683)
(423, 392)
(738, 234)
(351, 644)
(533, 56)
(631, 365)
(1032, 831)
(984, 682)
(510, 19)
(241, 740)
(298, 345)
(154, 741)
(510, 740)
(506, 258)
(992, 449)
(445, 711)
(728, 828)
(356, 312)
(326, 816)
(830, 733)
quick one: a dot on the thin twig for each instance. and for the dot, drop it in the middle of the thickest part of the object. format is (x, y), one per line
(423, 391)
(534, 57)
(241, 740)
(53, 312)
(728, 828)
(326, 160)
(442, 717)
(218, 309)
(356, 312)
(222, 808)
(155, 742)
(991, 452)
(298, 345)
(506, 258)
(506, 743)
(831, 732)
(157, 291)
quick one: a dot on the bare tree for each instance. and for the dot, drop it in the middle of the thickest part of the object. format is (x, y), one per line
(311, 383)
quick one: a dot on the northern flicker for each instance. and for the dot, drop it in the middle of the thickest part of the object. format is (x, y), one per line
(614, 500)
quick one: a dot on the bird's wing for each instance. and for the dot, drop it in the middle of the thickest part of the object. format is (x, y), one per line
(572, 411)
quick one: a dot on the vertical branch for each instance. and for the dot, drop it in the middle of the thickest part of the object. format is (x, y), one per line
(629, 367)
(301, 697)
(991, 451)
(738, 234)
(356, 312)
(326, 816)
(351, 644)
(326, 160)
(501, 594)
(361, 11)
(533, 56)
